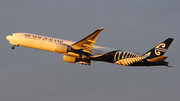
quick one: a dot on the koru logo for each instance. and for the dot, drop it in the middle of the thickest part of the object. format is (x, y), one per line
(160, 48)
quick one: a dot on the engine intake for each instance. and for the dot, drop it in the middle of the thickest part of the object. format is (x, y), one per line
(69, 59)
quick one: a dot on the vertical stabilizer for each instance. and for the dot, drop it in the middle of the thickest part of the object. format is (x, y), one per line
(160, 49)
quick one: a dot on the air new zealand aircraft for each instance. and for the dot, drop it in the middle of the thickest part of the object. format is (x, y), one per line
(84, 51)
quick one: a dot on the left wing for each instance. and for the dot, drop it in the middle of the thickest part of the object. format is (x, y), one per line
(83, 47)
(87, 42)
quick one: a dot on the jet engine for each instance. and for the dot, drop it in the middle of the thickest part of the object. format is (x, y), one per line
(69, 59)
(62, 48)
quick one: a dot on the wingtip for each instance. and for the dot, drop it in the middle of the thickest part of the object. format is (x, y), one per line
(101, 28)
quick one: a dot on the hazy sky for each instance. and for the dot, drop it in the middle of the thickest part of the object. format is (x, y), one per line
(133, 25)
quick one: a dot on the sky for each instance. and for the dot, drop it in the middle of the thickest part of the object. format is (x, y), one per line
(133, 25)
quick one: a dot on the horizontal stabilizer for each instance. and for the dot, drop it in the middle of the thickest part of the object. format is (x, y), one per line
(158, 59)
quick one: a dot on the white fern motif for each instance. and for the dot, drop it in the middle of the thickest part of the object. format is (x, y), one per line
(127, 58)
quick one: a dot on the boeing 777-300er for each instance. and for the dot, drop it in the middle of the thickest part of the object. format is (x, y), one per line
(84, 51)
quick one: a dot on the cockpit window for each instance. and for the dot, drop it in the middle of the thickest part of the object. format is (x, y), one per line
(11, 34)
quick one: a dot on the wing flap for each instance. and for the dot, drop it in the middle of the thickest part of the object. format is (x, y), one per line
(158, 59)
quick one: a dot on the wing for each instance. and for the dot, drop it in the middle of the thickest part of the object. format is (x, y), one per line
(87, 43)
(83, 47)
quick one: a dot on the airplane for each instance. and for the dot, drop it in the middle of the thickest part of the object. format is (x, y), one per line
(84, 51)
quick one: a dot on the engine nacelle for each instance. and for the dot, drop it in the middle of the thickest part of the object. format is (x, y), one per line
(62, 48)
(69, 59)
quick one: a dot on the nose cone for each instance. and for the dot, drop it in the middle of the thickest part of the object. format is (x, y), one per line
(8, 37)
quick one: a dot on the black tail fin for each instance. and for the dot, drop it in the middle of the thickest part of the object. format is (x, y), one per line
(160, 49)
